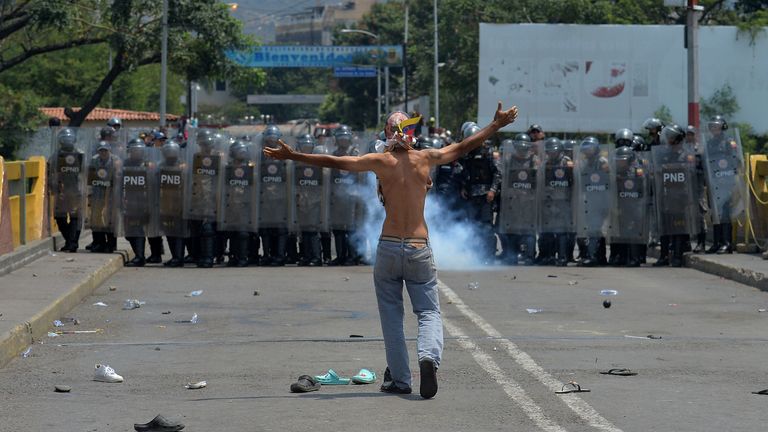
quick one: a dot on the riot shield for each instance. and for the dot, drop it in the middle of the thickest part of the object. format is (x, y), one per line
(172, 181)
(674, 189)
(138, 188)
(275, 195)
(630, 184)
(102, 187)
(205, 160)
(593, 191)
(555, 193)
(312, 189)
(518, 213)
(239, 198)
(723, 162)
(651, 223)
(67, 172)
(343, 192)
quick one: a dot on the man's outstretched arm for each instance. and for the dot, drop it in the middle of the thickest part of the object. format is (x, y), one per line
(367, 162)
(455, 151)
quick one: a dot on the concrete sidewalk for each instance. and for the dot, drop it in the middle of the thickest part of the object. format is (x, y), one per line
(44, 286)
(748, 269)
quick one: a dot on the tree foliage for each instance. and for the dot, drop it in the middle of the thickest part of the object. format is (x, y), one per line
(18, 117)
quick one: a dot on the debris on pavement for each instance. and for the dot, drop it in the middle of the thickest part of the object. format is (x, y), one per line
(346, 278)
(101, 304)
(70, 259)
(196, 293)
(130, 304)
(52, 335)
(606, 304)
(166, 313)
(26, 352)
(74, 321)
(356, 336)
(534, 311)
(255, 293)
(34, 274)
(192, 320)
(58, 323)
(104, 373)
(608, 292)
(473, 285)
(159, 423)
(572, 387)
(642, 337)
(551, 276)
(761, 392)
(62, 388)
(67, 332)
(573, 283)
(112, 288)
(759, 310)
(196, 386)
(618, 372)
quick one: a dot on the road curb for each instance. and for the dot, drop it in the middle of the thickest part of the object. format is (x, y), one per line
(742, 275)
(26, 254)
(15, 341)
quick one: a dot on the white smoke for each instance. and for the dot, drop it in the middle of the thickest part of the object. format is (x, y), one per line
(455, 243)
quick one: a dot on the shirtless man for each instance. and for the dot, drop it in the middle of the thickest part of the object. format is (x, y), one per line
(403, 254)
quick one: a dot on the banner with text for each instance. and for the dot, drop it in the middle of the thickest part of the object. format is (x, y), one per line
(318, 56)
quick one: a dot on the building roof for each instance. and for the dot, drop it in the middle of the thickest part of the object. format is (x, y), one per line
(104, 114)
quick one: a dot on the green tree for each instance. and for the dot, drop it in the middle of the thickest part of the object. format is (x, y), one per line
(18, 118)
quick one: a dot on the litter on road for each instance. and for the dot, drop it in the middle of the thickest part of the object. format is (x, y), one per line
(100, 304)
(196, 293)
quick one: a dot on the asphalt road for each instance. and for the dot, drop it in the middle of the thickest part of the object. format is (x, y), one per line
(500, 369)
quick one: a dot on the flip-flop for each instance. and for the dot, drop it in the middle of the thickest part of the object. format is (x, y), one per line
(305, 384)
(761, 392)
(331, 378)
(619, 372)
(572, 387)
(364, 377)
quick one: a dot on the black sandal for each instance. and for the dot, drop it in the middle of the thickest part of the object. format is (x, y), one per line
(572, 387)
(305, 384)
(761, 392)
(619, 372)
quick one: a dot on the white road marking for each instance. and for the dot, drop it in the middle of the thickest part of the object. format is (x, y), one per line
(510, 386)
(575, 403)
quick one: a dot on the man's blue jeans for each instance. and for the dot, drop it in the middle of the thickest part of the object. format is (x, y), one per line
(398, 262)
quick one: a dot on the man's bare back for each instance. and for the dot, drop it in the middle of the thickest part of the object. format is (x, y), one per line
(403, 174)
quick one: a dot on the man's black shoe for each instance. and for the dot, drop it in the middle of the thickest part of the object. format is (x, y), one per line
(661, 262)
(389, 385)
(136, 262)
(154, 259)
(428, 369)
(159, 424)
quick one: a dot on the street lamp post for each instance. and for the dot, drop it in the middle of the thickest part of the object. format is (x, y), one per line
(164, 64)
(437, 77)
(378, 71)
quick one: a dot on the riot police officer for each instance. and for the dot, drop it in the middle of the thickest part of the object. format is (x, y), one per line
(67, 185)
(274, 198)
(115, 123)
(691, 139)
(653, 126)
(172, 182)
(343, 205)
(103, 170)
(311, 204)
(518, 212)
(594, 200)
(628, 229)
(205, 158)
(724, 168)
(568, 147)
(675, 177)
(138, 176)
(238, 213)
(555, 205)
(622, 138)
(480, 183)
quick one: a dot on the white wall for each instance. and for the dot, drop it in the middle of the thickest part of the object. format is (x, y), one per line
(570, 78)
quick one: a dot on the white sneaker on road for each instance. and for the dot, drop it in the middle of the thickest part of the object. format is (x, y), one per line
(104, 373)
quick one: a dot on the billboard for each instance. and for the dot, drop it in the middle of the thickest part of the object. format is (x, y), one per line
(319, 56)
(600, 78)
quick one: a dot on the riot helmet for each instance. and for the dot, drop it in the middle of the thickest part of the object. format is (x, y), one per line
(171, 151)
(464, 127)
(270, 135)
(672, 134)
(305, 143)
(590, 147)
(568, 146)
(717, 123)
(107, 133)
(653, 125)
(554, 148)
(67, 139)
(115, 123)
(238, 151)
(469, 131)
(523, 137)
(623, 138)
(436, 142)
(136, 149)
(343, 136)
(522, 149)
(624, 156)
(638, 143)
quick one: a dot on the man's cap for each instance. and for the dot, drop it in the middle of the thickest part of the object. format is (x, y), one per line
(535, 128)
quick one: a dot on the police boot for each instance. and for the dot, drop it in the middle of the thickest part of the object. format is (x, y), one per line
(571, 247)
(241, 241)
(98, 244)
(616, 256)
(291, 249)
(74, 238)
(111, 243)
(591, 254)
(663, 252)
(601, 252)
(632, 257)
(582, 244)
(726, 231)
(529, 254)
(701, 239)
(562, 250)
(193, 249)
(278, 258)
(678, 247)
(176, 247)
(717, 235)
(155, 250)
(325, 243)
(207, 249)
(314, 251)
(137, 244)
(341, 250)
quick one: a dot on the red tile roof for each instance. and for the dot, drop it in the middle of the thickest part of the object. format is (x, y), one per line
(104, 114)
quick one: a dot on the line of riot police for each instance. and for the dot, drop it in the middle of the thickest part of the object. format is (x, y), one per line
(209, 194)
(539, 198)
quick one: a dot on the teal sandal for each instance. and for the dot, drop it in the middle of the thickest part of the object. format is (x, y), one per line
(364, 377)
(331, 378)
